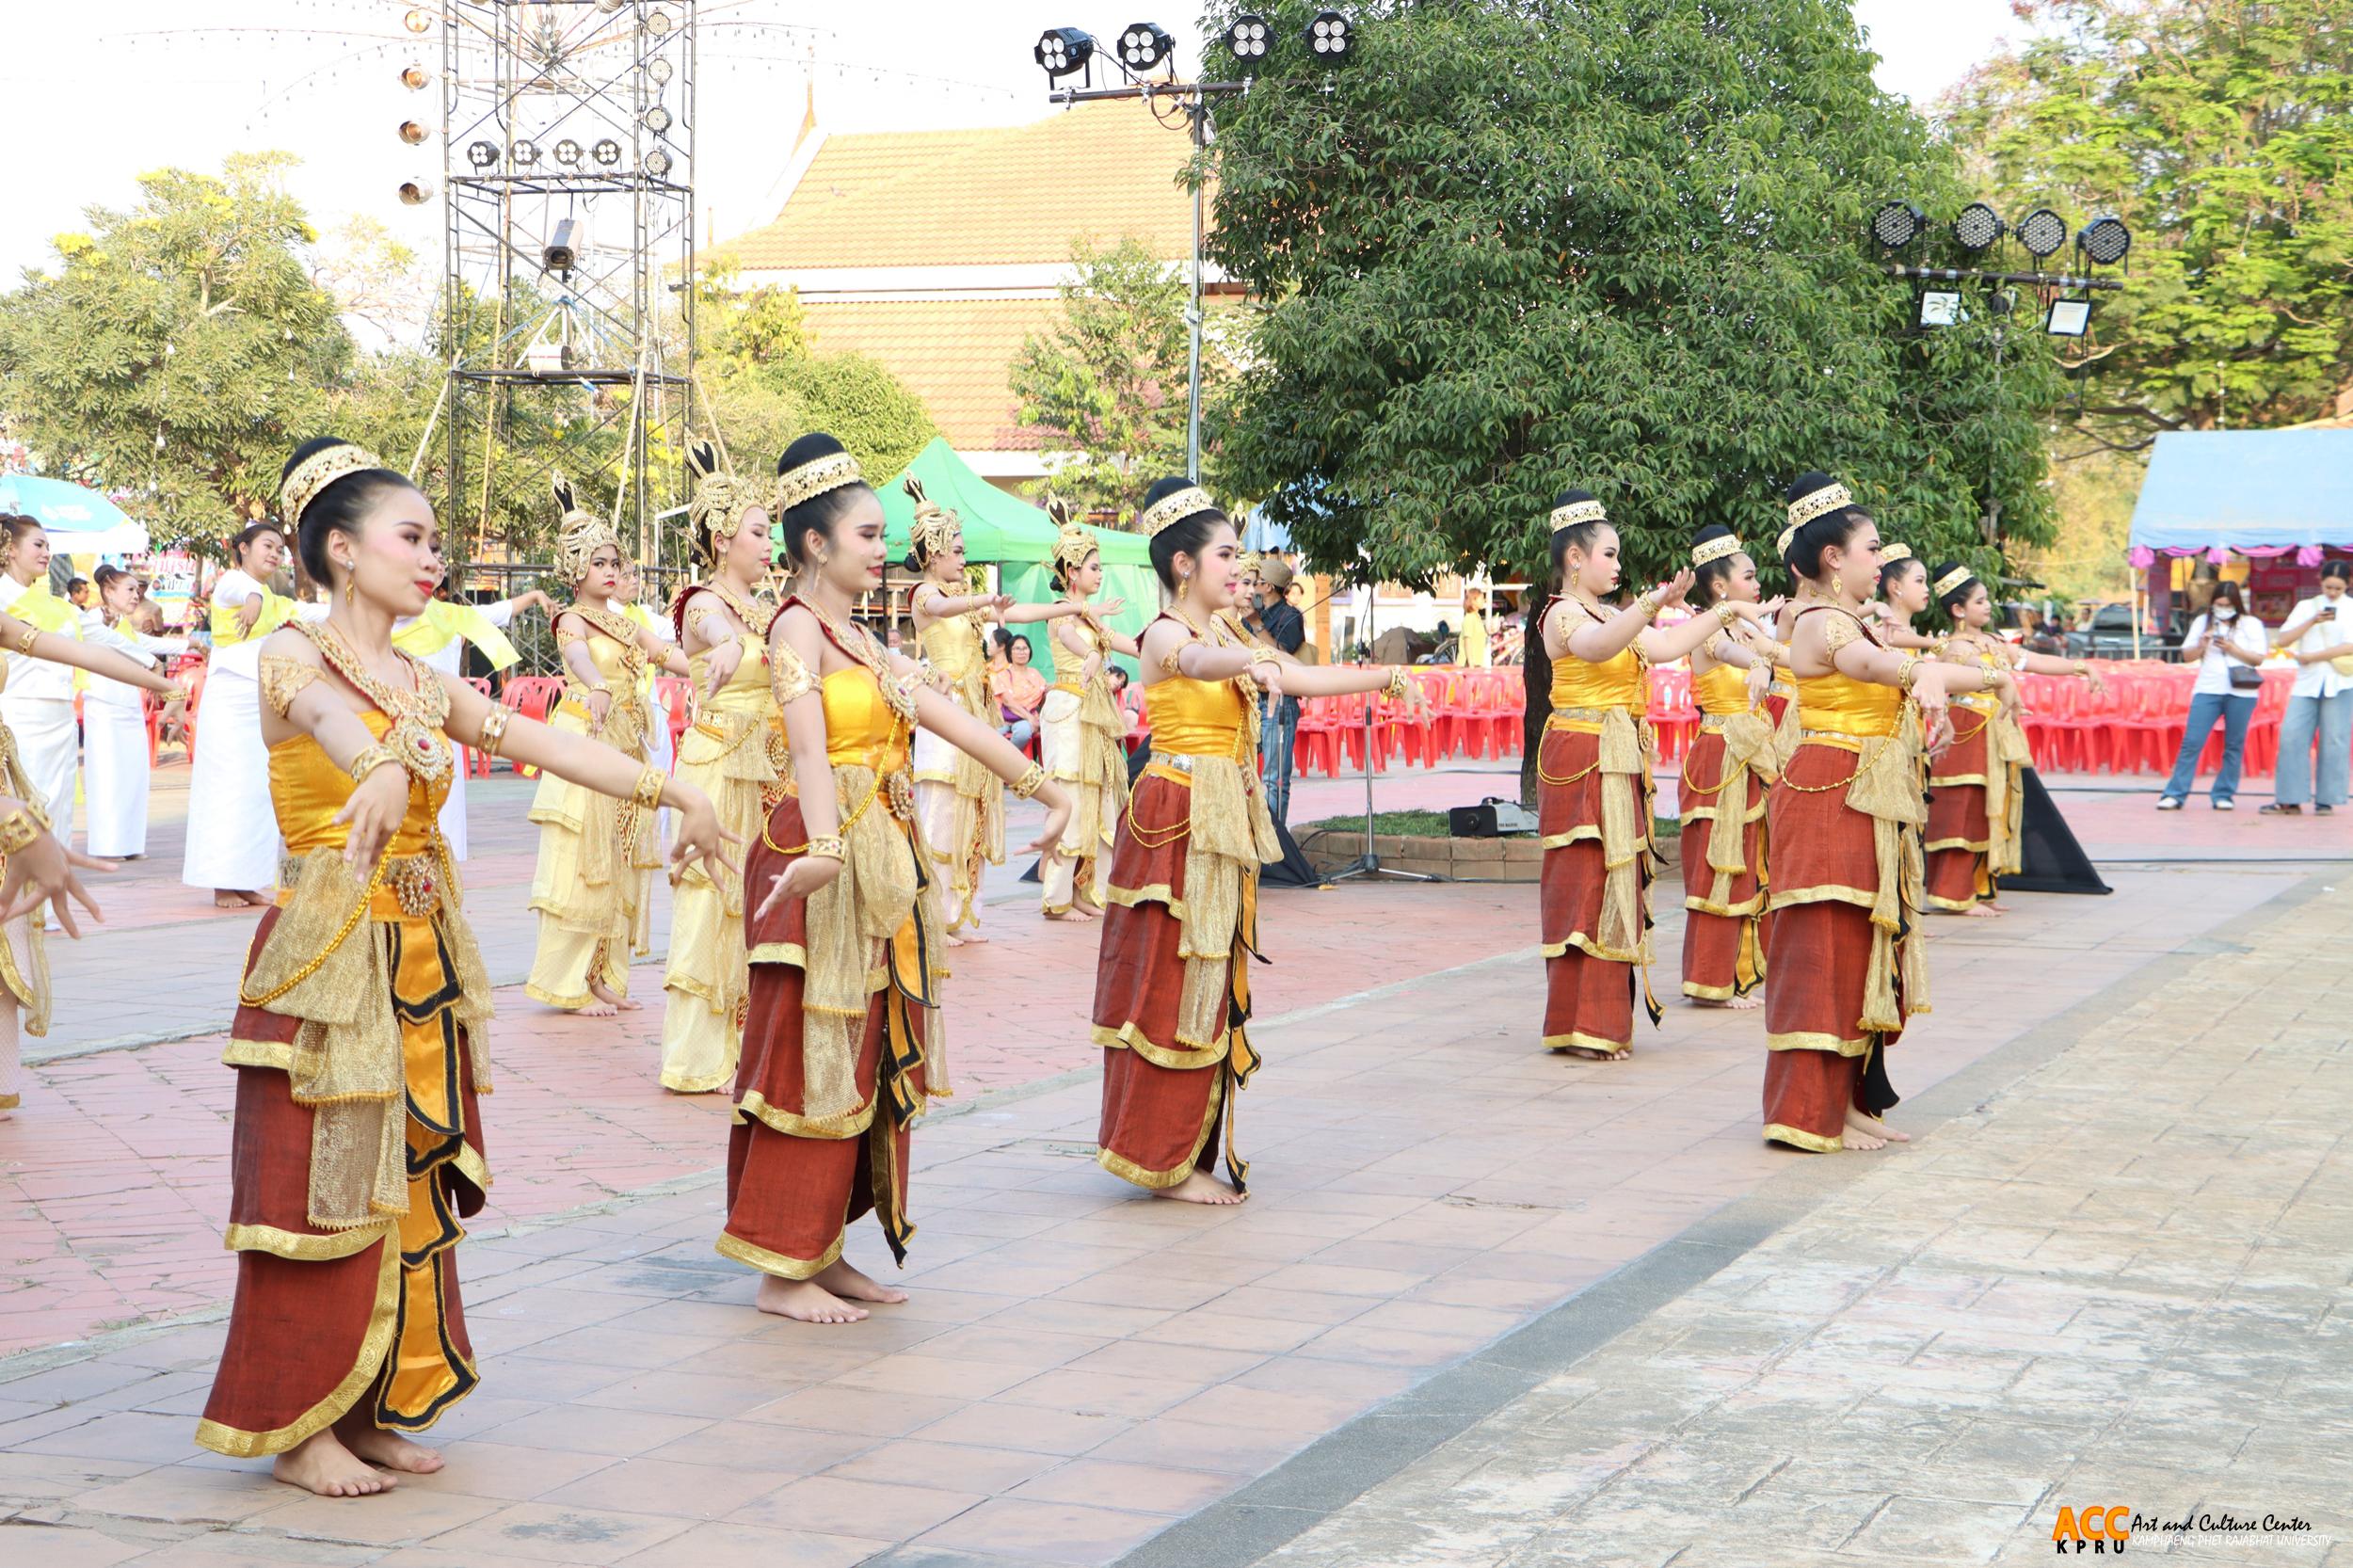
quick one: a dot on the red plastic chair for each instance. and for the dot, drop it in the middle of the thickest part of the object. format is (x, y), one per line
(1318, 742)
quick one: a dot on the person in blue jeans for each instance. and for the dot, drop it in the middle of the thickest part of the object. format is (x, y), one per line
(1275, 620)
(2223, 640)
(2320, 631)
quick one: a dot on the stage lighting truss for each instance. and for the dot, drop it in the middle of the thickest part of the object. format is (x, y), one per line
(1897, 224)
(1063, 50)
(2043, 231)
(1142, 45)
(1979, 228)
(1246, 37)
(2105, 241)
(1329, 36)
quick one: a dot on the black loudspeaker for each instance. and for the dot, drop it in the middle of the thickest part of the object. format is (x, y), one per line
(2051, 861)
(1473, 821)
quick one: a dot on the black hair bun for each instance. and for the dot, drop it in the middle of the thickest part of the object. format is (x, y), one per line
(1806, 484)
(809, 449)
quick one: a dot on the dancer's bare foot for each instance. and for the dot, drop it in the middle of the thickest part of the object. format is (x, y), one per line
(856, 1285)
(804, 1300)
(594, 1010)
(1200, 1186)
(1854, 1138)
(615, 1001)
(1871, 1126)
(1994, 907)
(371, 1443)
(231, 898)
(1075, 915)
(320, 1464)
(1731, 1004)
(971, 938)
(1587, 1053)
(1977, 912)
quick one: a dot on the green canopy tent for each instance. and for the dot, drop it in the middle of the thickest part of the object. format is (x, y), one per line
(1006, 532)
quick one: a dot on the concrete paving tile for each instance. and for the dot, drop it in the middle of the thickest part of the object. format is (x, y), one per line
(763, 1449)
(55, 1547)
(872, 1412)
(958, 1467)
(616, 1433)
(548, 1532)
(405, 1515)
(185, 1494)
(836, 1504)
(1045, 1531)
(726, 1545)
(1035, 1429)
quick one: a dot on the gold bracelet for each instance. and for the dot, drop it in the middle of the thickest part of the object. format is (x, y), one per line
(831, 847)
(2083, 667)
(1648, 605)
(650, 786)
(1908, 673)
(372, 759)
(24, 638)
(1725, 614)
(1395, 690)
(1029, 782)
(494, 729)
(17, 830)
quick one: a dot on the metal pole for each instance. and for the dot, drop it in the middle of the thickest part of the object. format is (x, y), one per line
(1192, 315)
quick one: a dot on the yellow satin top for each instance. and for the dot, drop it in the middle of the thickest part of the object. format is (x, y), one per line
(1842, 705)
(1982, 702)
(860, 729)
(1613, 683)
(307, 789)
(1724, 689)
(618, 665)
(1196, 718)
(745, 695)
(957, 646)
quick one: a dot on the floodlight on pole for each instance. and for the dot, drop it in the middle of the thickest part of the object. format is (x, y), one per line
(1143, 45)
(415, 193)
(561, 255)
(482, 154)
(1896, 224)
(2043, 231)
(658, 164)
(526, 153)
(1331, 36)
(607, 152)
(418, 20)
(567, 153)
(2069, 319)
(2105, 240)
(414, 134)
(415, 78)
(1977, 227)
(1246, 37)
(657, 120)
(1063, 50)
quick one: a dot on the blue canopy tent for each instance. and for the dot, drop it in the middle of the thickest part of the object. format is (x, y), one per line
(81, 520)
(2258, 494)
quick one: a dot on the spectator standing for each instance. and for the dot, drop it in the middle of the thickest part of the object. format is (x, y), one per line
(1275, 620)
(2317, 630)
(1476, 654)
(2229, 646)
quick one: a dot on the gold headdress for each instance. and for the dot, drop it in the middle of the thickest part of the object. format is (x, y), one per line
(814, 478)
(1716, 550)
(936, 527)
(579, 535)
(720, 497)
(1578, 511)
(1818, 504)
(316, 472)
(1894, 553)
(1073, 541)
(1249, 560)
(1952, 580)
(1172, 508)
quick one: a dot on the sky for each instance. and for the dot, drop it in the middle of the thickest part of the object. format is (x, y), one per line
(121, 87)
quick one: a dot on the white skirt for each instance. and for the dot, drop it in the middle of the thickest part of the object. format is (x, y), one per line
(454, 808)
(49, 749)
(115, 813)
(232, 827)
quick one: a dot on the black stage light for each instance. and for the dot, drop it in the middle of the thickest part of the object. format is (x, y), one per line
(1330, 35)
(2070, 318)
(658, 164)
(1143, 45)
(607, 152)
(526, 153)
(1245, 40)
(2042, 232)
(1896, 224)
(2105, 240)
(559, 254)
(482, 154)
(1063, 50)
(567, 153)
(1978, 227)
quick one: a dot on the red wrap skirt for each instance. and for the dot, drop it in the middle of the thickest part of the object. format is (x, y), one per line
(794, 1184)
(1820, 1060)
(1723, 948)
(1168, 1103)
(1589, 997)
(323, 1320)
(1959, 839)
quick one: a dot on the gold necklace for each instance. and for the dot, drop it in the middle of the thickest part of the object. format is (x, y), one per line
(417, 716)
(756, 617)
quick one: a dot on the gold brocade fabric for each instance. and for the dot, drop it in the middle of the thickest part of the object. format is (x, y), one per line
(957, 647)
(1211, 725)
(879, 915)
(345, 1062)
(595, 851)
(28, 984)
(2007, 753)
(1722, 692)
(1101, 776)
(1609, 700)
(1615, 682)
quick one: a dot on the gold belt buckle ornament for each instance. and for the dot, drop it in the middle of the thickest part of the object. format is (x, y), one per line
(414, 885)
(900, 795)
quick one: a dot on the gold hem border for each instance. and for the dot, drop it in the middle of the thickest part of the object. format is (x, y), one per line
(1807, 1039)
(1798, 1138)
(777, 1263)
(374, 1345)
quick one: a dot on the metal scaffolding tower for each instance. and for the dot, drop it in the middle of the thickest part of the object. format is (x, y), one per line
(568, 154)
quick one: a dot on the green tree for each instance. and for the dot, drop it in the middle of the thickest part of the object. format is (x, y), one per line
(1109, 384)
(178, 350)
(1509, 251)
(2221, 133)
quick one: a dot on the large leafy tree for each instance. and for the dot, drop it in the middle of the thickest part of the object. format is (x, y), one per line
(175, 351)
(1107, 386)
(2222, 132)
(1616, 245)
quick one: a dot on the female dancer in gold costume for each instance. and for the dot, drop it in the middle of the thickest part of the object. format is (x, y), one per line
(597, 854)
(1172, 995)
(1843, 943)
(1084, 732)
(357, 1140)
(842, 1043)
(962, 803)
(1977, 793)
(733, 752)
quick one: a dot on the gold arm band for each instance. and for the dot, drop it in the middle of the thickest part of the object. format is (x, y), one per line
(831, 847)
(1029, 783)
(1395, 690)
(372, 759)
(24, 638)
(494, 729)
(18, 830)
(1908, 673)
(649, 791)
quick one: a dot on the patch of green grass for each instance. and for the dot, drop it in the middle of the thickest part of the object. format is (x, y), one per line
(1411, 824)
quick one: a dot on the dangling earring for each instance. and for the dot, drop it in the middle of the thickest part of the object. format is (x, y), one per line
(1184, 587)
(351, 587)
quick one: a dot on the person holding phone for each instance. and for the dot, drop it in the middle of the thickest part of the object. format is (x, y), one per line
(2229, 646)
(2322, 702)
